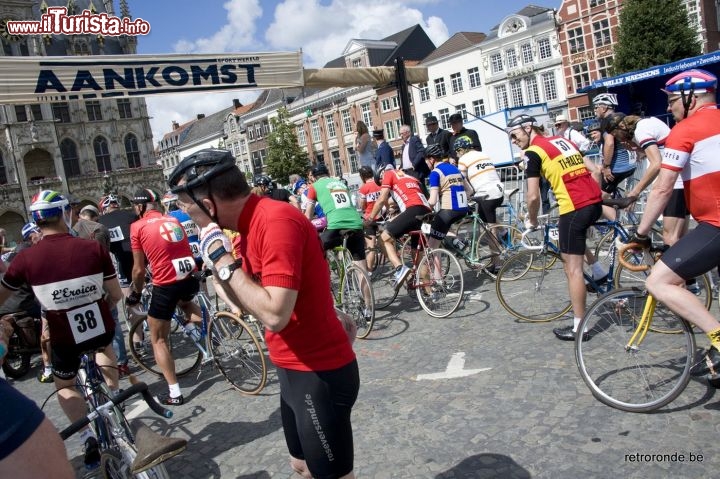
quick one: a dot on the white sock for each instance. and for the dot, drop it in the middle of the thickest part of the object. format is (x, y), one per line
(86, 434)
(47, 370)
(597, 270)
(174, 390)
(576, 323)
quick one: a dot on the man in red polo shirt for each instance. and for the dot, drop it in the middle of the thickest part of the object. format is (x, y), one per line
(162, 240)
(282, 280)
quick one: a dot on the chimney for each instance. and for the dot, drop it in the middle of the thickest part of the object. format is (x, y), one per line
(175, 125)
(200, 116)
(236, 103)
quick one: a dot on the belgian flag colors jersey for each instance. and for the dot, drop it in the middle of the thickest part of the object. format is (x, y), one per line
(557, 160)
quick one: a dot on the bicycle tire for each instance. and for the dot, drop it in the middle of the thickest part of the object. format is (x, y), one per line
(237, 353)
(446, 283)
(185, 352)
(384, 290)
(353, 301)
(639, 379)
(534, 294)
(493, 241)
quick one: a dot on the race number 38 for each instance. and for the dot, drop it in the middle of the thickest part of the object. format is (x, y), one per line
(183, 267)
(86, 322)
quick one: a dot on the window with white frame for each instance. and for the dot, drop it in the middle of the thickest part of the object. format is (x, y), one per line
(478, 107)
(462, 109)
(357, 62)
(315, 130)
(605, 66)
(346, 121)
(544, 48)
(549, 86)
(444, 114)
(516, 93)
(576, 40)
(456, 82)
(330, 124)
(501, 97)
(595, 3)
(511, 57)
(385, 105)
(440, 87)
(474, 77)
(586, 113)
(366, 113)
(337, 164)
(531, 87)
(581, 75)
(424, 92)
(601, 32)
(390, 132)
(496, 65)
(527, 53)
(354, 166)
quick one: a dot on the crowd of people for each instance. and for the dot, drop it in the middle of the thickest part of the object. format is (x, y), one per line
(264, 243)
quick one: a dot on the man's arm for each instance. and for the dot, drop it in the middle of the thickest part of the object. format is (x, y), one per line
(608, 149)
(658, 199)
(310, 210)
(114, 293)
(532, 196)
(138, 271)
(652, 153)
(382, 201)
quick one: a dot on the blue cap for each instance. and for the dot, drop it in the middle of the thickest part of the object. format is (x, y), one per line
(298, 184)
(28, 229)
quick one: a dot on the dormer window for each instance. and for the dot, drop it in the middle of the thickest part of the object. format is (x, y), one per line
(357, 62)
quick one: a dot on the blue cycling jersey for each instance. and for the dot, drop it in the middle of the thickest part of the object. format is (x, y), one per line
(191, 230)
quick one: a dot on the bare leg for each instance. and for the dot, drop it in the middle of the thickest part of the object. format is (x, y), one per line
(107, 361)
(674, 229)
(159, 331)
(576, 284)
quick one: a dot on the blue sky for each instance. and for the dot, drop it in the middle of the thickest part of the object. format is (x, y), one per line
(321, 28)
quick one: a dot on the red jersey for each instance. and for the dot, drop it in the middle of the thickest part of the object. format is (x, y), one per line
(71, 290)
(692, 149)
(370, 192)
(163, 241)
(280, 247)
(405, 189)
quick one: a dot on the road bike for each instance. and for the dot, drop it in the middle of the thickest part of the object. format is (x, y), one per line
(221, 338)
(123, 454)
(624, 363)
(436, 277)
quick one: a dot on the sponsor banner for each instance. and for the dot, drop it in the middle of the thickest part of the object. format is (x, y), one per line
(51, 79)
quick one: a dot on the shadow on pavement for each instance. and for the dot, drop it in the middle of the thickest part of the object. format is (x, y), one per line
(486, 466)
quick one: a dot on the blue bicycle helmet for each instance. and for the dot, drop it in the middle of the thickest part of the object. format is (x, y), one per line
(49, 204)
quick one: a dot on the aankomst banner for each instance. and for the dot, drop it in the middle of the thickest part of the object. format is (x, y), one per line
(50, 79)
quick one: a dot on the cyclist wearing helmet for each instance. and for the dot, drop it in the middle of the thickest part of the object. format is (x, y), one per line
(578, 197)
(162, 240)
(73, 295)
(280, 280)
(617, 162)
(691, 152)
(270, 189)
(118, 223)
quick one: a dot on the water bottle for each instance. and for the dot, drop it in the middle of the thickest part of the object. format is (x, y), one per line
(192, 330)
(459, 244)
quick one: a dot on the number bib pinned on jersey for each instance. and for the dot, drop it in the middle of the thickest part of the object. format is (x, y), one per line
(86, 322)
(116, 234)
(183, 267)
(340, 198)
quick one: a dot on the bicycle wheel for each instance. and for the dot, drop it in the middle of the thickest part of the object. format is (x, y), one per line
(496, 244)
(357, 300)
(237, 353)
(185, 352)
(637, 379)
(535, 294)
(439, 283)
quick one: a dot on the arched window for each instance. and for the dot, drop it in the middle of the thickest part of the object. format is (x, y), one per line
(102, 154)
(132, 152)
(71, 162)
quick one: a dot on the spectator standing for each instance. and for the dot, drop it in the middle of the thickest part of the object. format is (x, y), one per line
(384, 157)
(437, 135)
(413, 155)
(563, 129)
(458, 131)
(364, 145)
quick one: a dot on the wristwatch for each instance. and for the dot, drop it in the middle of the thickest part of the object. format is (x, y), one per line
(226, 272)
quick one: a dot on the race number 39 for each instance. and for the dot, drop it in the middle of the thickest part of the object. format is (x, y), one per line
(183, 267)
(86, 322)
(341, 199)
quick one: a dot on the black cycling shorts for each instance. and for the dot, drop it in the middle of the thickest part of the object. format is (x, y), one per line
(573, 228)
(443, 220)
(66, 359)
(676, 207)
(486, 209)
(315, 407)
(165, 298)
(406, 221)
(610, 187)
(693, 254)
(355, 242)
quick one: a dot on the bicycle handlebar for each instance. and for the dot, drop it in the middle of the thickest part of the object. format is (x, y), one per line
(624, 262)
(123, 396)
(542, 220)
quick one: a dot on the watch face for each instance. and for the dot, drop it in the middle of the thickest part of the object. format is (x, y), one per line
(224, 273)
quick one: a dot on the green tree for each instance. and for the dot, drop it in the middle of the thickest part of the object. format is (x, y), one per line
(285, 157)
(652, 33)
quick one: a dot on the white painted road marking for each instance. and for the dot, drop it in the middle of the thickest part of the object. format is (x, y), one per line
(454, 369)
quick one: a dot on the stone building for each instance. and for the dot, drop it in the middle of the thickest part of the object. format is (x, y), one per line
(84, 147)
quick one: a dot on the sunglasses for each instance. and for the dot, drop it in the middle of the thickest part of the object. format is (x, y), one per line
(673, 100)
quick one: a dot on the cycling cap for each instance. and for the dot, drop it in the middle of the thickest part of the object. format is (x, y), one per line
(28, 229)
(435, 151)
(108, 200)
(217, 161)
(319, 170)
(594, 126)
(695, 81)
(48, 204)
(519, 122)
(145, 195)
(463, 143)
(169, 197)
(607, 99)
(262, 180)
(298, 184)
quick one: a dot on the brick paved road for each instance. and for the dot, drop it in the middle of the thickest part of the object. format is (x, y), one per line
(526, 414)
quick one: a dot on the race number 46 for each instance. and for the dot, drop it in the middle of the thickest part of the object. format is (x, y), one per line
(183, 267)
